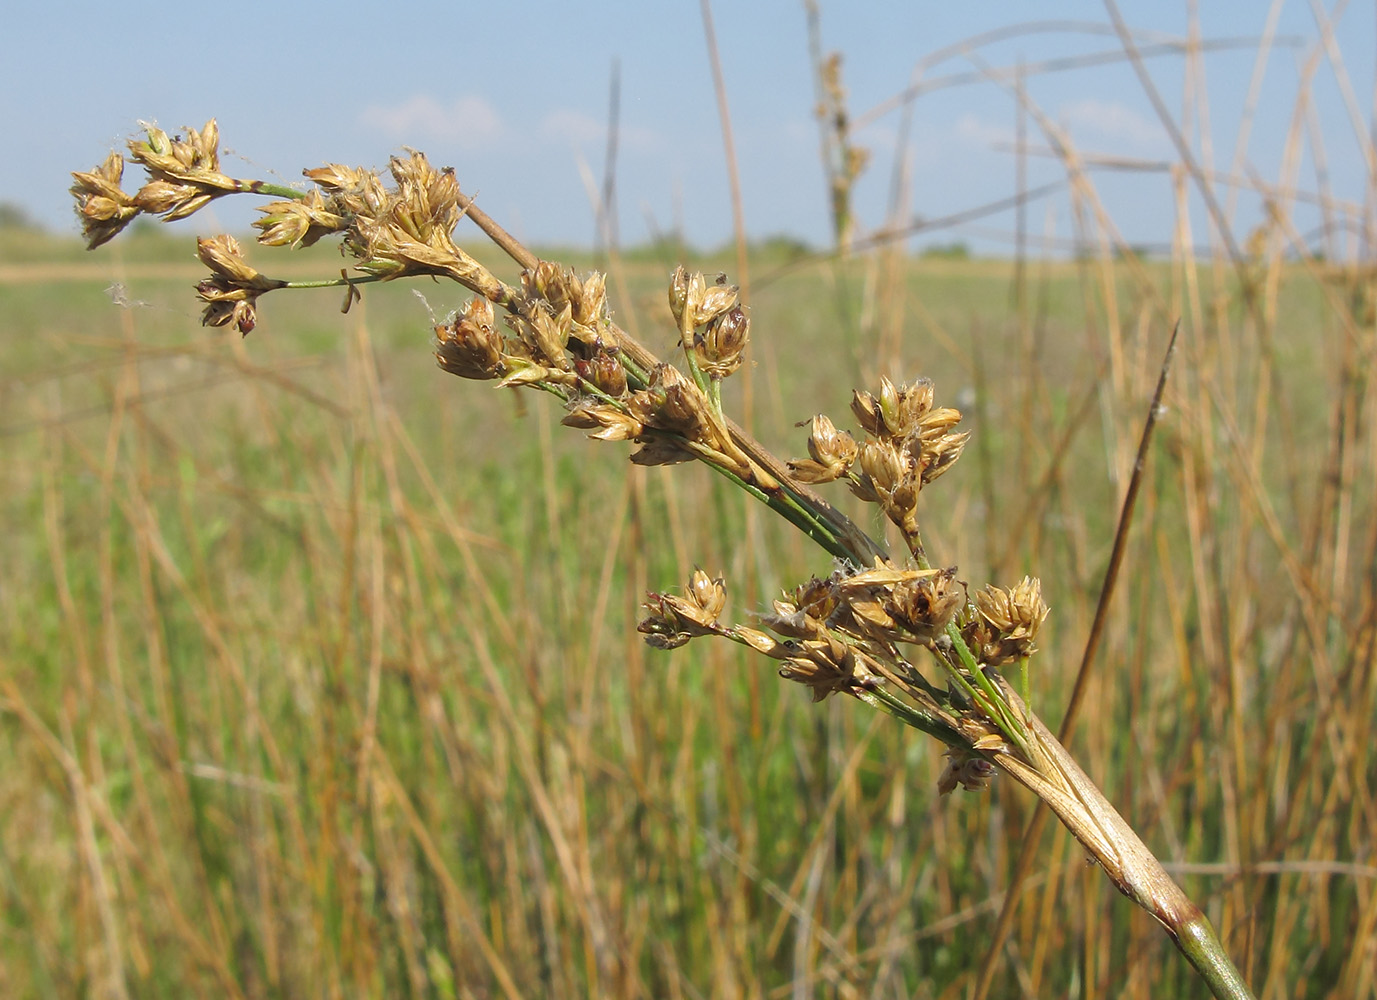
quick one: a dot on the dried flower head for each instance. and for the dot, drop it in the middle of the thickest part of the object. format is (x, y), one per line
(469, 345)
(889, 477)
(833, 453)
(604, 371)
(828, 667)
(298, 223)
(608, 423)
(352, 190)
(674, 620)
(101, 204)
(720, 345)
(794, 622)
(183, 173)
(924, 605)
(1006, 622)
(686, 293)
(658, 449)
(717, 299)
(426, 204)
(231, 292)
(672, 403)
(969, 770)
(933, 445)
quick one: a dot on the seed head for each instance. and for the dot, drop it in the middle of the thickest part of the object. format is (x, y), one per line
(889, 479)
(717, 299)
(426, 203)
(1006, 622)
(686, 293)
(830, 667)
(674, 620)
(605, 371)
(925, 604)
(672, 403)
(720, 345)
(590, 307)
(659, 450)
(469, 345)
(833, 453)
(298, 223)
(353, 190)
(867, 411)
(232, 290)
(101, 204)
(608, 423)
(183, 174)
(794, 622)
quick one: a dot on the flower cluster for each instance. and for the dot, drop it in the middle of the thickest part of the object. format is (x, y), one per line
(232, 290)
(1003, 623)
(183, 177)
(909, 443)
(712, 323)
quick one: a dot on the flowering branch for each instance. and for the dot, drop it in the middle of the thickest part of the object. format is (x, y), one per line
(867, 629)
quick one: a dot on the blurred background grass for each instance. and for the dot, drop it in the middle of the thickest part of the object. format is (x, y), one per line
(320, 671)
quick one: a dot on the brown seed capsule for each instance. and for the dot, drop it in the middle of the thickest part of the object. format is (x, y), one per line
(829, 667)
(660, 451)
(883, 463)
(867, 411)
(709, 594)
(904, 406)
(674, 620)
(102, 205)
(605, 371)
(925, 605)
(833, 453)
(469, 345)
(717, 299)
(224, 257)
(1007, 622)
(719, 347)
(685, 297)
(608, 423)
(298, 223)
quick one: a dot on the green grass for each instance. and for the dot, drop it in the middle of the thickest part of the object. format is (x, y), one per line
(318, 670)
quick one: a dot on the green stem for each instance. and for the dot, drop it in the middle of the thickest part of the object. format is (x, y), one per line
(801, 517)
(267, 187)
(363, 279)
(987, 696)
(908, 714)
(1197, 941)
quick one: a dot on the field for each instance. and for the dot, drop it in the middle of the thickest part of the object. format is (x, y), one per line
(319, 674)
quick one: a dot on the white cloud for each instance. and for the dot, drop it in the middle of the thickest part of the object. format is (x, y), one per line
(1113, 122)
(573, 127)
(581, 130)
(979, 132)
(468, 121)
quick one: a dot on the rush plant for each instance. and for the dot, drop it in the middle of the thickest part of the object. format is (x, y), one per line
(896, 633)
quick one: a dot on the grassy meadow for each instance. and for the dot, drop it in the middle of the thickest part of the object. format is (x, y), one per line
(319, 673)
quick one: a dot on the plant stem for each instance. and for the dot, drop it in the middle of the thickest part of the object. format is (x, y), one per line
(269, 188)
(1053, 775)
(797, 514)
(363, 279)
(1197, 941)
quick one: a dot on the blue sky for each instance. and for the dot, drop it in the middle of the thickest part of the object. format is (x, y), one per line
(515, 97)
